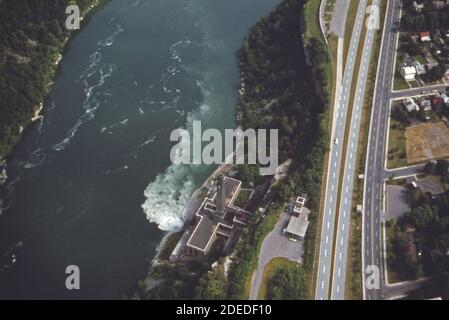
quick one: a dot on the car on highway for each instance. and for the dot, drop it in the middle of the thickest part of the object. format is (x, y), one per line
(336, 142)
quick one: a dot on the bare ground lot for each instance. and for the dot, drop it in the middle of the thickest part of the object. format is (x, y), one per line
(427, 141)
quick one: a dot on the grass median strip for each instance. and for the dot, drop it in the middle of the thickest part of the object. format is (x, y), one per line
(354, 268)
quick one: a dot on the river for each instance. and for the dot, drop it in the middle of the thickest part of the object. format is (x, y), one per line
(91, 184)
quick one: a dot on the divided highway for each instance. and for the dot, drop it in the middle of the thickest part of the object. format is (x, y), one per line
(334, 169)
(376, 153)
(344, 216)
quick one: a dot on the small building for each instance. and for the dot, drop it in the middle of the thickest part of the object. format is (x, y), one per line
(420, 68)
(445, 98)
(297, 227)
(437, 102)
(410, 104)
(439, 4)
(301, 201)
(418, 5)
(425, 104)
(425, 36)
(407, 72)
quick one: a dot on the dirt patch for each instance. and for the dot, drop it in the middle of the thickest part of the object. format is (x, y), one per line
(427, 141)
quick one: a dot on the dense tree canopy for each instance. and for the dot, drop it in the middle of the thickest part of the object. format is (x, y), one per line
(430, 19)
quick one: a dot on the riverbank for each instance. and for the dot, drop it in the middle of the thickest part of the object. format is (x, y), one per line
(37, 110)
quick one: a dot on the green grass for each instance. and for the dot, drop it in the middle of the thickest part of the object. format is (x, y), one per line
(397, 182)
(397, 154)
(242, 198)
(270, 270)
(312, 14)
(420, 59)
(399, 83)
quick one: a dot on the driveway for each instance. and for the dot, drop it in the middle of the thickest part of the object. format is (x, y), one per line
(276, 245)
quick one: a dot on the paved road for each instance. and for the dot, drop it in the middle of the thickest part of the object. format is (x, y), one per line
(344, 217)
(373, 188)
(417, 91)
(333, 175)
(404, 172)
(276, 245)
(402, 289)
(338, 21)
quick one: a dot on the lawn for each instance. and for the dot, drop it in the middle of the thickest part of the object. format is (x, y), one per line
(312, 12)
(270, 269)
(242, 199)
(400, 83)
(397, 154)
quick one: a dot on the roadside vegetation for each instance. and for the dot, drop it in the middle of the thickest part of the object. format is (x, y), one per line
(418, 241)
(397, 154)
(283, 280)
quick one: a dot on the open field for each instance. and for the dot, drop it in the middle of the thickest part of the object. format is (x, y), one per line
(427, 141)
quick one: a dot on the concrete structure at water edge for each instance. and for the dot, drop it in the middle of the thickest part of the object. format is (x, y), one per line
(217, 218)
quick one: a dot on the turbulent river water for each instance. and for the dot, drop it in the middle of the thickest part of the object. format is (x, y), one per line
(91, 183)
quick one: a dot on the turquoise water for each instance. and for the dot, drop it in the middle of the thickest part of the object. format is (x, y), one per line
(92, 184)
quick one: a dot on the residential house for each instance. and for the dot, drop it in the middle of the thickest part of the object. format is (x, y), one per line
(407, 72)
(418, 5)
(425, 36)
(445, 98)
(410, 104)
(420, 68)
(439, 4)
(425, 104)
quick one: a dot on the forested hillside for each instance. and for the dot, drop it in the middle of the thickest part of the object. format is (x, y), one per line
(284, 89)
(32, 36)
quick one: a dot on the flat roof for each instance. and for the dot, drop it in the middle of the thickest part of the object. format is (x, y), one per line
(297, 226)
(203, 233)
